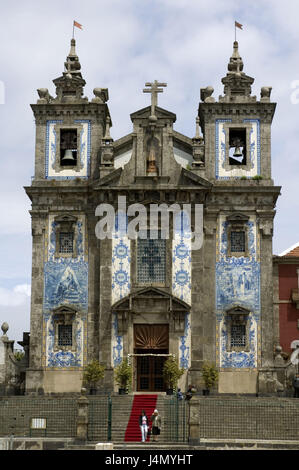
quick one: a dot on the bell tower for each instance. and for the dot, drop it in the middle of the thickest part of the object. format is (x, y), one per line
(239, 227)
(70, 130)
(237, 128)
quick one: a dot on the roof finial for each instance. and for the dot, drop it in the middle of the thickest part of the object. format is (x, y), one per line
(72, 64)
(237, 85)
(236, 64)
(70, 85)
(154, 90)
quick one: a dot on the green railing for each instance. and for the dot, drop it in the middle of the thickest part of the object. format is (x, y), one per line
(245, 418)
(175, 427)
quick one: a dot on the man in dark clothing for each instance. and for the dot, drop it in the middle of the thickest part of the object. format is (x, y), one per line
(189, 393)
(296, 386)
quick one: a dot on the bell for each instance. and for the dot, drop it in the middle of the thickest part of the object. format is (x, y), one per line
(238, 152)
(68, 157)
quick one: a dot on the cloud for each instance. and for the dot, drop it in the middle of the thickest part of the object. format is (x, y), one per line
(16, 296)
(15, 310)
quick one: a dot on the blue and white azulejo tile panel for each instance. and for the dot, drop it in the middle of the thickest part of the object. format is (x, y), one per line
(117, 343)
(65, 283)
(185, 344)
(181, 259)
(181, 279)
(238, 284)
(64, 358)
(121, 282)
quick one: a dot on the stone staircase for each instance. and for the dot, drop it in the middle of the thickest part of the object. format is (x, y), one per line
(146, 402)
(121, 410)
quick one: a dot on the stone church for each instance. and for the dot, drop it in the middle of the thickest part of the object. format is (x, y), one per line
(150, 297)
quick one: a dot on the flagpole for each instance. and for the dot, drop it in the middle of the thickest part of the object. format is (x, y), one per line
(73, 30)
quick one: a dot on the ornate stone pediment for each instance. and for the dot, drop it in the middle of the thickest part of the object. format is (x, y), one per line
(66, 309)
(151, 300)
(159, 112)
(238, 217)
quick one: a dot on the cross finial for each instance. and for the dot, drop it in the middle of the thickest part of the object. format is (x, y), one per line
(154, 90)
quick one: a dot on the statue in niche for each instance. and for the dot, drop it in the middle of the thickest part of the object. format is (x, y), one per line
(152, 157)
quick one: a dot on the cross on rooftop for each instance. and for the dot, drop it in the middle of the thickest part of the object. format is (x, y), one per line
(154, 90)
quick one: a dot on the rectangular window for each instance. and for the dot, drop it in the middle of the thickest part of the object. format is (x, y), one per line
(238, 336)
(65, 335)
(151, 261)
(68, 147)
(66, 242)
(237, 241)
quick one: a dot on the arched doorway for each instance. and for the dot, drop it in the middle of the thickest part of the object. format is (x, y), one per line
(151, 345)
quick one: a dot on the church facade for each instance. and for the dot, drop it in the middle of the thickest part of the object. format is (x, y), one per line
(156, 294)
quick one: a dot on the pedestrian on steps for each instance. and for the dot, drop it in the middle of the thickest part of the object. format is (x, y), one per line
(143, 423)
(156, 425)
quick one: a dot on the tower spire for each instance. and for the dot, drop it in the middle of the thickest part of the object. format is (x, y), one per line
(69, 86)
(237, 85)
(236, 64)
(72, 64)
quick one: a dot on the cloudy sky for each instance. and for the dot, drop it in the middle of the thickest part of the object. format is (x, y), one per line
(186, 43)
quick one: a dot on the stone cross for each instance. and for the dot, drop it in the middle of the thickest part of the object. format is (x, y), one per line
(154, 90)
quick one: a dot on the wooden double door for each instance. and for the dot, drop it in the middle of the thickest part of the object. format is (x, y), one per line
(151, 347)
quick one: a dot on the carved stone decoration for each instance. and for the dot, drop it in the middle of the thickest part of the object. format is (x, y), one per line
(154, 90)
(237, 85)
(4, 328)
(266, 94)
(107, 152)
(206, 94)
(44, 96)
(266, 227)
(198, 148)
(152, 156)
(101, 95)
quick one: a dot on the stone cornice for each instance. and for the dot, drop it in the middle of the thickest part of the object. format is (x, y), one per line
(43, 112)
(264, 111)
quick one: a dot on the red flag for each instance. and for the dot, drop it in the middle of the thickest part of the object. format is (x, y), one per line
(238, 25)
(78, 25)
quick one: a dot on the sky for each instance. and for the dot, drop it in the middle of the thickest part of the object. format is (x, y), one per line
(123, 44)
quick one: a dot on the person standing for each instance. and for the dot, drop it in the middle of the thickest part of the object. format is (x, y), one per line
(296, 386)
(143, 423)
(156, 425)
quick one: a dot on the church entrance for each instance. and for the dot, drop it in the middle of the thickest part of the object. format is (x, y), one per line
(151, 347)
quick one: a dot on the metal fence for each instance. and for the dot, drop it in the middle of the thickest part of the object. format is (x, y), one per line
(18, 415)
(219, 418)
(99, 418)
(175, 428)
(244, 418)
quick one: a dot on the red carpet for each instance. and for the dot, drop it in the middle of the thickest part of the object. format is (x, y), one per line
(140, 402)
